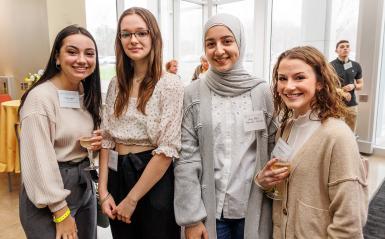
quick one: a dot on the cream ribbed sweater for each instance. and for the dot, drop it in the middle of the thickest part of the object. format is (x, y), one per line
(49, 134)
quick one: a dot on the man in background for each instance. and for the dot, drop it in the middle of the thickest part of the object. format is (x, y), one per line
(350, 74)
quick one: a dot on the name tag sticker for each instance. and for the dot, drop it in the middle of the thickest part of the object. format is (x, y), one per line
(348, 65)
(282, 150)
(113, 160)
(254, 121)
(69, 99)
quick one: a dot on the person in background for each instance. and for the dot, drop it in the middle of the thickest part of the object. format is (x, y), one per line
(350, 75)
(142, 123)
(324, 190)
(57, 198)
(172, 67)
(201, 69)
(228, 132)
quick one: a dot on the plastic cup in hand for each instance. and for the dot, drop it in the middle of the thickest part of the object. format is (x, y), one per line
(86, 142)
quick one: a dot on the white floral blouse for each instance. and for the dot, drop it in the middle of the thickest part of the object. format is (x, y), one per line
(160, 127)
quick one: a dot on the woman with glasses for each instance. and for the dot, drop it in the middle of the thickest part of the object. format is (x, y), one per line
(142, 122)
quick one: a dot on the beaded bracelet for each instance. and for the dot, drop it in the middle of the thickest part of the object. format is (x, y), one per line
(62, 217)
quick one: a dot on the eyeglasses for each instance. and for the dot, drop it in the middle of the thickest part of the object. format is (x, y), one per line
(139, 35)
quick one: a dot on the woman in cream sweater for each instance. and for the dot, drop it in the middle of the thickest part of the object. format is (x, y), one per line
(57, 198)
(324, 193)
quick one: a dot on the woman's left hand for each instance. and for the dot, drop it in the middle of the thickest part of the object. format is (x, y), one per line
(125, 209)
(97, 140)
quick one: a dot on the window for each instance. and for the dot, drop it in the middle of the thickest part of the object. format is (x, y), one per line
(344, 22)
(244, 10)
(167, 28)
(190, 39)
(286, 28)
(101, 22)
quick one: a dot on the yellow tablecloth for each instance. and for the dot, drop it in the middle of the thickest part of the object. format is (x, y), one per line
(9, 153)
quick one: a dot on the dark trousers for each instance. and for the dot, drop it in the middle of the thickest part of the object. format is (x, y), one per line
(230, 228)
(153, 217)
(37, 222)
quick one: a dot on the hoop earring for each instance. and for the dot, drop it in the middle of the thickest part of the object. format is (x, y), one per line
(57, 66)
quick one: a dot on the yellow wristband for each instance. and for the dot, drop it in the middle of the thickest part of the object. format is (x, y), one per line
(62, 217)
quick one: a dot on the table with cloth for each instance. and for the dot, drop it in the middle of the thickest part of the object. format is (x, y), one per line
(9, 153)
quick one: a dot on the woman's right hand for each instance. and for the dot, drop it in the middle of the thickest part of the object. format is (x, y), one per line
(67, 228)
(108, 206)
(268, 177)
(197, 231)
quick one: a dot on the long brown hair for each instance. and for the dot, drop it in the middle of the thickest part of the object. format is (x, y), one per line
(327, 102)
(125, 65)
(91, 84)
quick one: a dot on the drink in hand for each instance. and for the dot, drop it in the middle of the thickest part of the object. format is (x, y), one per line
(280, 164)
(86, 142)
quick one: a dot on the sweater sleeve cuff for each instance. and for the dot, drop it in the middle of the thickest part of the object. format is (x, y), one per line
(57, 206)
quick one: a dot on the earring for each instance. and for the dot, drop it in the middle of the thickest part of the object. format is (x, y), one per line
(57, 66)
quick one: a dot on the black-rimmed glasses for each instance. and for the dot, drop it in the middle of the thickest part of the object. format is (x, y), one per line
(123, 35)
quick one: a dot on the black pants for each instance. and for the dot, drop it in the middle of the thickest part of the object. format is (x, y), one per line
(153, 217)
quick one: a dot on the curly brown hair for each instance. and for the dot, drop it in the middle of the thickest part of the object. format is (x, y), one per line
(327, 102)
(125, 66)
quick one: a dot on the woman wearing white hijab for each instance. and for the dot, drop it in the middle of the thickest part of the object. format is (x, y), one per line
(227, 135)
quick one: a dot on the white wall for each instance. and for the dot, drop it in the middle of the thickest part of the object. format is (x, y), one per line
(28, 29)
(24, 45)
(63, 13)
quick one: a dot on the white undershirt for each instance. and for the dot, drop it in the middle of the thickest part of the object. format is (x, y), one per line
(302, 129)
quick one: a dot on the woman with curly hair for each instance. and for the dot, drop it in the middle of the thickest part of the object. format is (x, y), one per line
(324, 191)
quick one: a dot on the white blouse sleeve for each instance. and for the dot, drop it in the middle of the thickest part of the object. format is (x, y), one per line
(108, 142)
(171, 102)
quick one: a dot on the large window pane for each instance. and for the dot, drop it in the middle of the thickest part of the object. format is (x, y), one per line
(244, 10)
(167, 28)
(135, 3)
(190, 39)
(286, 29)
(344, 22)
(101, 22)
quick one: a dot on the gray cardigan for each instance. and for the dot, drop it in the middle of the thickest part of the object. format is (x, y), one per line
(194, 199)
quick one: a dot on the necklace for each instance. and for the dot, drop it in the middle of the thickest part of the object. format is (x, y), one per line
(138, 79)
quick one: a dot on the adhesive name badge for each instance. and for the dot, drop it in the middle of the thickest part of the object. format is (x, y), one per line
(282, 150)
(69, 99)
(348, 65)
(254, 121)
(113, 160)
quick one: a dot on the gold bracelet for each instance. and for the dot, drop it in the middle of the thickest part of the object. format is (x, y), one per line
(104, 199)
(62, 217)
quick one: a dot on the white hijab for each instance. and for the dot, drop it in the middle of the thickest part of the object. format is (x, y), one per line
(237, 80)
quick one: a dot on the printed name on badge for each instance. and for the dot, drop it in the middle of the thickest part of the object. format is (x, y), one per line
(348, 65)
(282, 150)
(254, 121)
(113, 160)
(69, 99)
